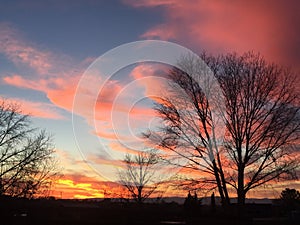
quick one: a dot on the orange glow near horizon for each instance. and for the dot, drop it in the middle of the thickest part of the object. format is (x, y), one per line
(72, 189)
(66, 188)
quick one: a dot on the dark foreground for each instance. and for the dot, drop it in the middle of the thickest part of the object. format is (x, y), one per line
(65, 212)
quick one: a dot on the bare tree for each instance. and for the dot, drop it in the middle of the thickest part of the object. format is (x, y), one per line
(139, 176)
(26, 156)
(261, 117)
(190, 124)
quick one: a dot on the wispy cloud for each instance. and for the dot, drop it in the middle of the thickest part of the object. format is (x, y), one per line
(54, 74)
(149, 3)
(21, 52)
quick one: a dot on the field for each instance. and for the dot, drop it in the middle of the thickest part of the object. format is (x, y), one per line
(74, 212)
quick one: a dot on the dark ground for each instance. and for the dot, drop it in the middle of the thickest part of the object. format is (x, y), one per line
(65, 212)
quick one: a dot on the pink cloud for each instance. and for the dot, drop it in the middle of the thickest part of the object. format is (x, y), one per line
(21, 52)
(117, 110)
(119, 147)
(107, 132)
(59, 90)
(70, 160)
(148, 3)
(151, 78)
(269, 27)
(56, 75)
(123, 116)
(37, 109)
(100, 160)
(162, 31)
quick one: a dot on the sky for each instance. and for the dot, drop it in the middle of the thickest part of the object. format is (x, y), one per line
(46, 47)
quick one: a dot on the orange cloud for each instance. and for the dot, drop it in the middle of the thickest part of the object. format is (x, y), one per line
(67, 188)
(83, 186)
(60, 91)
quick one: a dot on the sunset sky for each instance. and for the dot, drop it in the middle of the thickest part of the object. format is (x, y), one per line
(47, 45)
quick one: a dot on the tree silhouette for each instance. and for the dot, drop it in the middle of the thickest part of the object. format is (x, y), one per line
(189, 128)
(26, 156)
(260, 114)
(192, 204)
(139, 176)
(213, 202)
(262, 119)
(290, 198)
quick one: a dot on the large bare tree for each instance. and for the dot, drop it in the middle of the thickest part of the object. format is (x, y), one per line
(262, 118)
(139, 175)
(191, 123)
(260, 115)
(27, 162)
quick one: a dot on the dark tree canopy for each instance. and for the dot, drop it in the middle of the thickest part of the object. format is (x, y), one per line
(26, 155)
(290, 195)
(290, 198)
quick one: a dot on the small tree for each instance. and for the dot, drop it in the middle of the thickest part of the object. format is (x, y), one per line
(192, 204)
(26, 156)
(290, 198)
(139, 176)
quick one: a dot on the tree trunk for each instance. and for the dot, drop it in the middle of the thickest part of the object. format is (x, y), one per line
(140, 195)
(241, 192)
(220, 188)
(227, 199)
